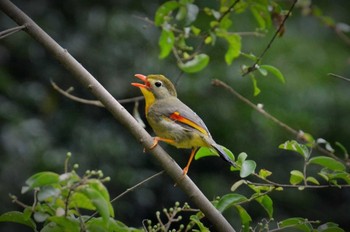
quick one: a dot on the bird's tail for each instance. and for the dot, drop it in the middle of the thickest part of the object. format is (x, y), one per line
(223, 154)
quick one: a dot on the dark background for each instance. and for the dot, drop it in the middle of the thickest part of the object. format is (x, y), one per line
(113, 41)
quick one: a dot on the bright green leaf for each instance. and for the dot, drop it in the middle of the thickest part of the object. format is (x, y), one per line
(328, 162)
(163, 11)
(97, 199)
(166, 43)
(196, 31)
(274, 71)
(198, 63)
(204, 152)
(40, 179)
(266, 202)
(18, 217)
(229, 200)
(245, 217)
(296, 177)
(80, 200)
(293, 145)
(263, 173)
(234, 48)
(202, 228)
(247, 168)
(47, 192)
(313, 180)
(255, 86)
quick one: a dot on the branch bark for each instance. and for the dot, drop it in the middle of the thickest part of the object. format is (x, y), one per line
(118, 111)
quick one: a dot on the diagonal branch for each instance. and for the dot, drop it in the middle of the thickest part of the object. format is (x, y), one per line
(119, 112)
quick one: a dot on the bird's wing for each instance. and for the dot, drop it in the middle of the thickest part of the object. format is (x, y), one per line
(182, 114)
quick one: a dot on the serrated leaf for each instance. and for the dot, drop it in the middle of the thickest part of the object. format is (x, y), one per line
(296, 177)
(198, 63)
(166, 42)
(18, 217)
(327, 162)
(40, 179)
(274, 71)
(247, 168)
(163, 11)
(293, 145)
(267, 203)
(229, 200)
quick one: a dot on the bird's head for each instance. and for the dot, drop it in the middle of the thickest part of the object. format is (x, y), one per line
(155, 86)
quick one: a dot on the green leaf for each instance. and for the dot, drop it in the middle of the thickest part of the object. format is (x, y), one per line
(263, 173)
(18, 217)
(48, 192)
(80, 200)
(204, 152)
(313, 180)
(247, 168)
(202, 228)
(166, 42)
(245, 217)
(97, 199)
(296, 223)
(237, 184)
(296, 177)
(229, 200)
(274, 71)
(40, 179)
(329, 227)
(327, 162)
(164, 11)
(261, 15)
(198, 63)
(234, 48)
(66, 224)
(326, 143)
(293, 145)
(255, 86)
(266, 202)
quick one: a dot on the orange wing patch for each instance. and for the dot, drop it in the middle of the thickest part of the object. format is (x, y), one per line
(177, 117)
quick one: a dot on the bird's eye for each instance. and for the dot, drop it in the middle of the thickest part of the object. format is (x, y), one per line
(158, 84)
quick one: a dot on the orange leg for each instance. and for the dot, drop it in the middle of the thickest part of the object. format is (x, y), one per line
(157, 139)
(193, 152)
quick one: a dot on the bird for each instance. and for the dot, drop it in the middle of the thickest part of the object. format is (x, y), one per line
(172, 120)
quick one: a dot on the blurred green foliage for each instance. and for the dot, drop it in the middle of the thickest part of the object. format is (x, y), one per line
(115, 40)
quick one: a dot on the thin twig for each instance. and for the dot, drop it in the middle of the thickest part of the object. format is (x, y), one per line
(299, 134)
(137, 185)
(129, 190)
(338, 76)
(90, 102)
(254, 66)
(10, 31)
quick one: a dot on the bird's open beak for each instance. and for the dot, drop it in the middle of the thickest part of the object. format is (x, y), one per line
(144, 79)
